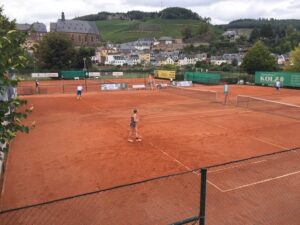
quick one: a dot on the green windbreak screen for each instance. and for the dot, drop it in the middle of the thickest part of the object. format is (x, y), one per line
(72, 74)
(204, 78)
(287, 79)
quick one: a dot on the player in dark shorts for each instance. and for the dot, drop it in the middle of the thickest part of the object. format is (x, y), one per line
(37, 85)
(133, 127)
(79, 91)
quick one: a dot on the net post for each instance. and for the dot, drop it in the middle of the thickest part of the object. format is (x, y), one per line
(202, 196)
(63, 84)
(86, 88)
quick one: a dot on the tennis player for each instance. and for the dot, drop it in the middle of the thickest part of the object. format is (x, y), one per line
(79, 91)
(226, 90)
(277, 85)
(151, 82)
(37, 85)
(133, 133)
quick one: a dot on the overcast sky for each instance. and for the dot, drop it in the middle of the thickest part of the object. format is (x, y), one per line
(220, 11)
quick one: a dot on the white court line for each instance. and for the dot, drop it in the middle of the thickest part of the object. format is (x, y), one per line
(211, 183)
(244, 164)
(270, 143)
(173, 159)
(255, 183)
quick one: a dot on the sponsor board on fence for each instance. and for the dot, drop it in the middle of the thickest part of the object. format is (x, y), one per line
(117, 74)
(138, 86)
(168, 74)
(117, 86)
(183, 83)
(287, 79)
(37, 75)
(94, 74)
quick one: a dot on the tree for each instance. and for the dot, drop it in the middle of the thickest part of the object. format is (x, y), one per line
(207, 20)
(178, 13)
(259, 58)
(12, 57)
(294, 63)
(266, 31)
(55, 52)
(81, 53)
(203, 28)
(186, 33)
(234, 62)
(202, 64)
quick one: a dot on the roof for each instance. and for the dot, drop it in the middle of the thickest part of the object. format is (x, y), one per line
(165, 39)
(23, 27)
(75, 26)
(37, 27)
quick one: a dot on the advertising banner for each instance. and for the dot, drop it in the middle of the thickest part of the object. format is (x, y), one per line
(287, 79)
(117, 74)
(167, 74)
(94, 74)
(44, 75)
(117, 86)
(184, 83)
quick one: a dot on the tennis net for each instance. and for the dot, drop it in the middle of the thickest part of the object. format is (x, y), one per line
(206, 95)
(269, 106)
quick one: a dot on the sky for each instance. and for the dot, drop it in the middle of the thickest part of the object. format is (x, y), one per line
(220, 11)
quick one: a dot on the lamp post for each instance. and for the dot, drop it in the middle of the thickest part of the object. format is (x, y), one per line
(84, 64)
(84, 69)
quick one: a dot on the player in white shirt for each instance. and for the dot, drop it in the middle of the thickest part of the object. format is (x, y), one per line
(79, 91)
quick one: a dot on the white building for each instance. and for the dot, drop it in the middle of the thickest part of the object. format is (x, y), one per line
(217, 60)
(187, 61)
(115, 60)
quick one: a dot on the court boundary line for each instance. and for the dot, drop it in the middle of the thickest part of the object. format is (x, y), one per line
(173, 158)
(269, 143)
(140, 182)
(240, 165)
(254, 183)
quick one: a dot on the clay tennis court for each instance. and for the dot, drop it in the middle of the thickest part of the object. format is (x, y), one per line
(81, 147)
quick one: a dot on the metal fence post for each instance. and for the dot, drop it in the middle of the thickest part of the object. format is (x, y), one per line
(202, 196)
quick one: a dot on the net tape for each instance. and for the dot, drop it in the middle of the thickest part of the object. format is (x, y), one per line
(207, 95)
(269, 106)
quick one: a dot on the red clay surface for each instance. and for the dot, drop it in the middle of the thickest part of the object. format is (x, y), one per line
(81, 146)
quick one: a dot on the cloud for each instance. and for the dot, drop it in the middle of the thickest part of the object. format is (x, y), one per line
(220, 11)
(164, 3)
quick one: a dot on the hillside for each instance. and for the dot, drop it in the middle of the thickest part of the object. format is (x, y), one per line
(118, 30)
(252, 23)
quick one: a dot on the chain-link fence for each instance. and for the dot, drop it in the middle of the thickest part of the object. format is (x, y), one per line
(160, 200)
(259, 190)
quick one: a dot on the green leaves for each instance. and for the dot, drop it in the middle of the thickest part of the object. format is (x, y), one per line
(55, 51)
(11, 31)
(259, 58)
(294, 63)
(12, 56)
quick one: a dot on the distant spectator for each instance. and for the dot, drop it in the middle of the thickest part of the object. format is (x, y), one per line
(226, 90)
(151, 81)
(37, 85)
